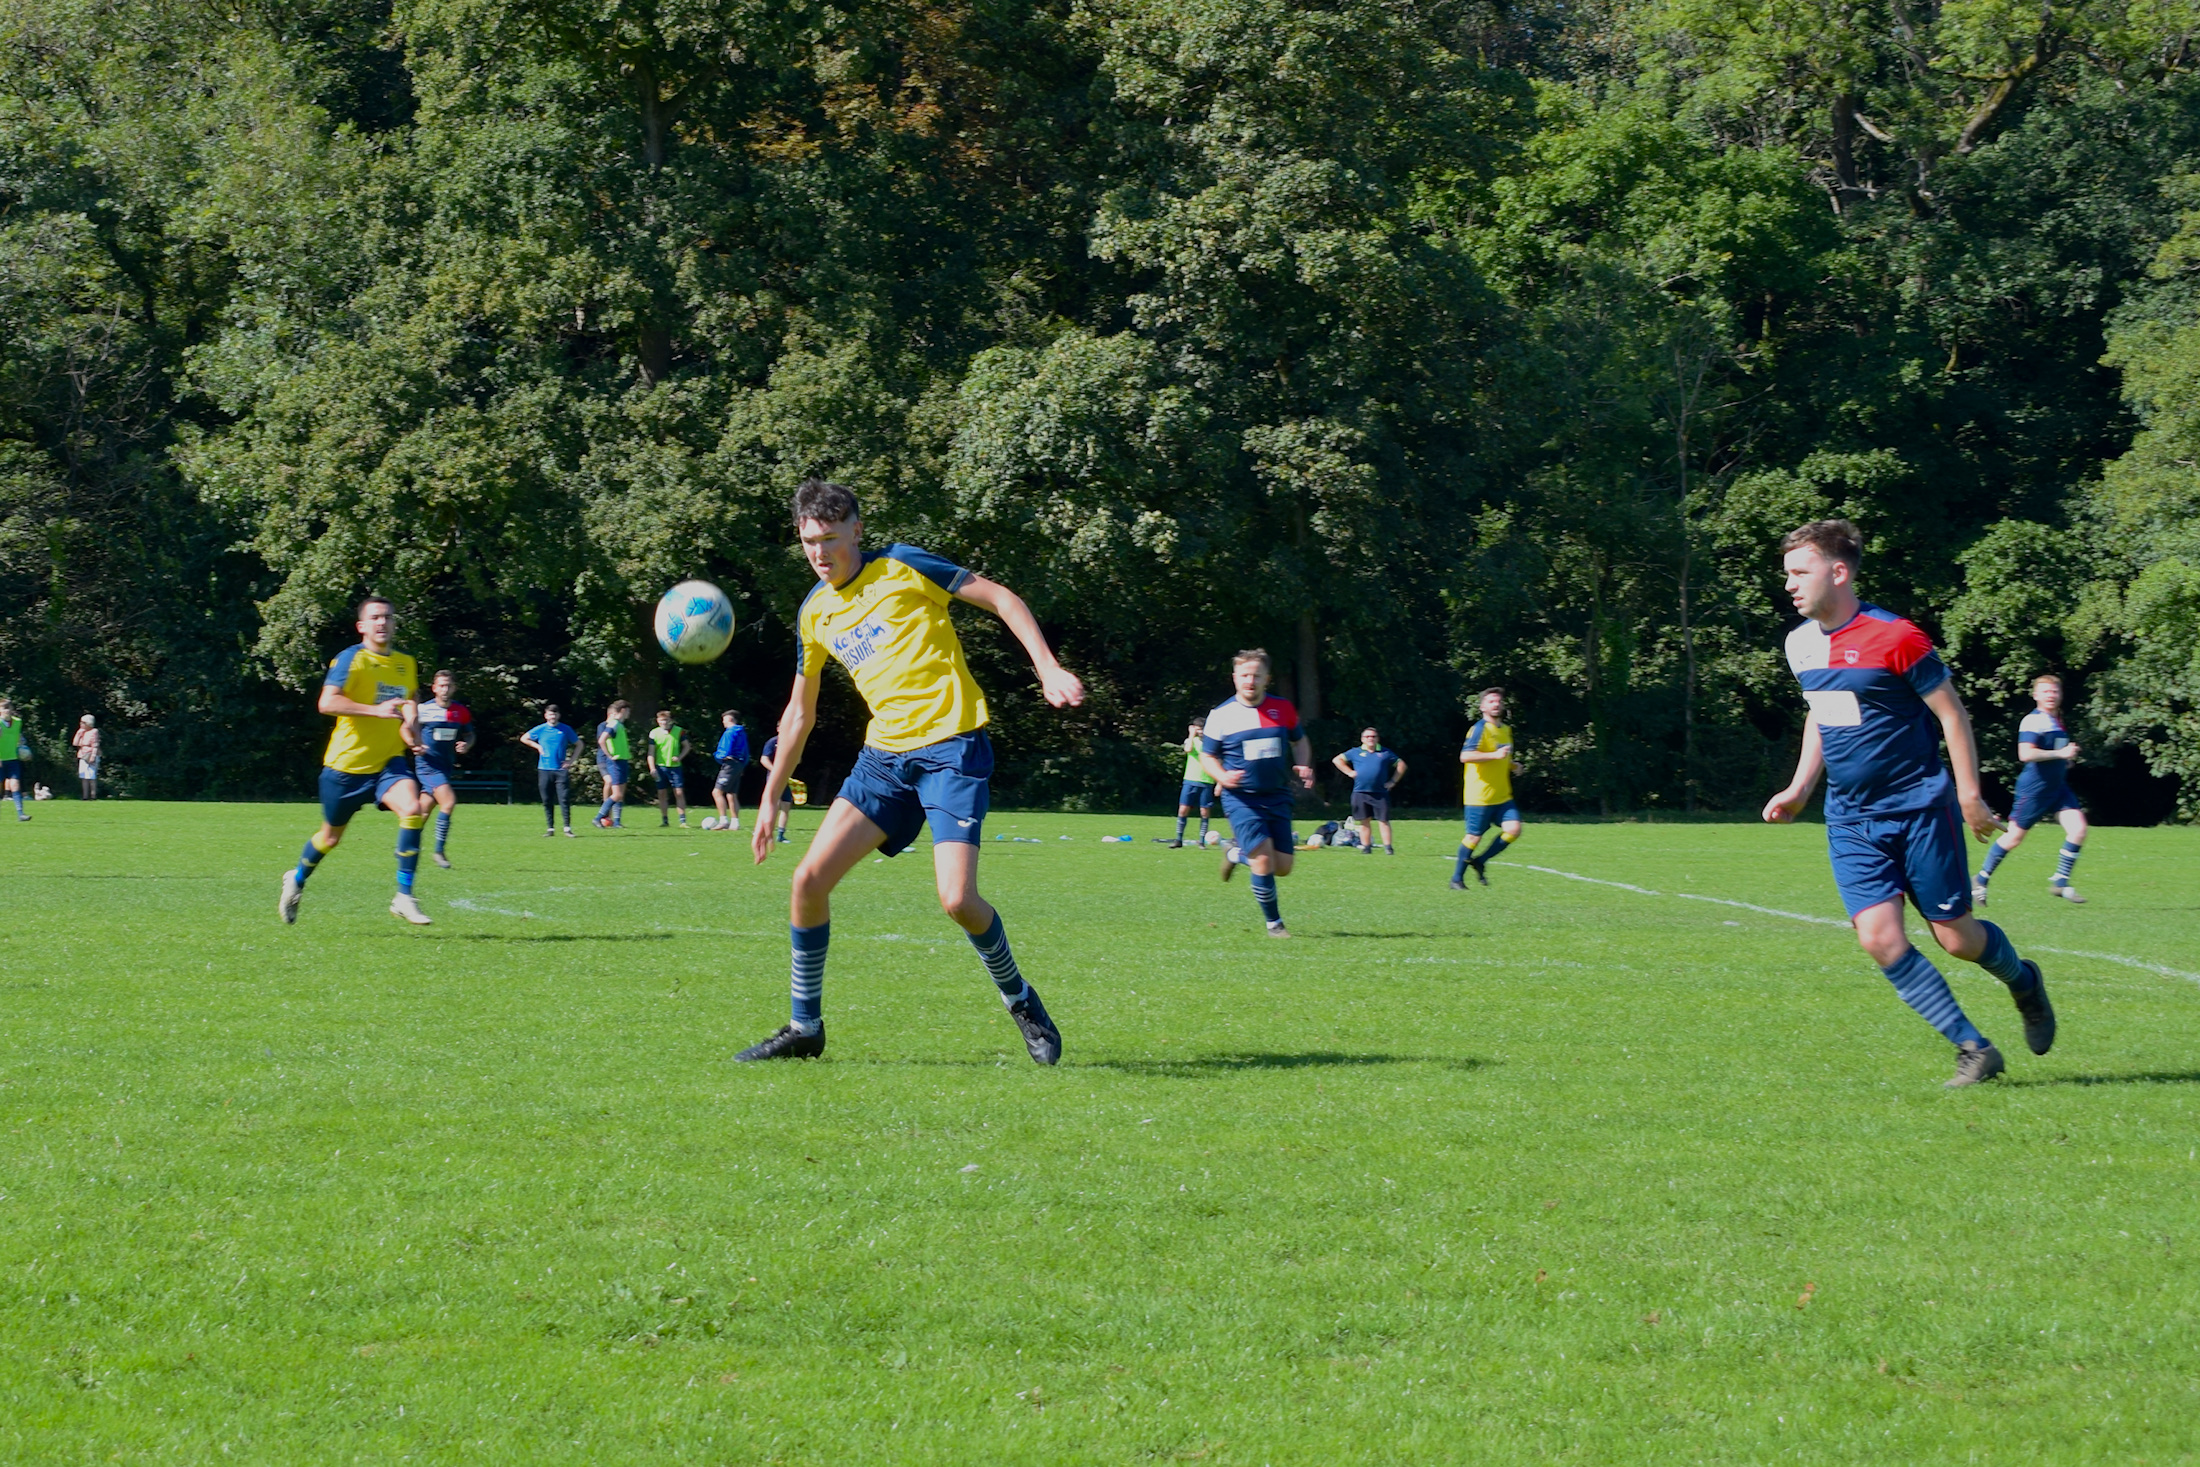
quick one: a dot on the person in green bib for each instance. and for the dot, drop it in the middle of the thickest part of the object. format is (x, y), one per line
(668, 745)
(13, 751)
(616, 758)
(1198, 791)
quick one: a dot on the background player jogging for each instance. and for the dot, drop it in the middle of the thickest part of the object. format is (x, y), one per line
(446, 731)
(2043, 790)
(1881, 701)
(1375, 772)
(926, 759)
(1487, 790)
(1198, 791)
(371, 691)
(1243, 747)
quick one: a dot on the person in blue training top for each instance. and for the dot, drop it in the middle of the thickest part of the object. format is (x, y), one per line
(14, 750)
(554, 744)
(2043, 789)
(1243, 747)
(770, 760)
(732, 755)
(1375, 773)
(1881, 702)
(446, 731)
(615, 757)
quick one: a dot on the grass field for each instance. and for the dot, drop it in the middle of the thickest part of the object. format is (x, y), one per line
(1548, 1172)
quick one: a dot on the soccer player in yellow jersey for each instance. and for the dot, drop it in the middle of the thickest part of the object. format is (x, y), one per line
(373, 693)
(883, 616)
(1488, 757)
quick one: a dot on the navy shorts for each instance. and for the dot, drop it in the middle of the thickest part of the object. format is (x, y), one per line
(1371, 804)
(1197, 794)
(343, 794)
(1482, 817)
(2032, 809)
(1918, 855)
(945, 783)
(668, 779)
(729, 776)
(617, 771)
(1259, 815)
(431, 778)
(11, 769)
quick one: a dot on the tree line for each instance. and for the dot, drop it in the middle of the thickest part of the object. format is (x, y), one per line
(1431, 344)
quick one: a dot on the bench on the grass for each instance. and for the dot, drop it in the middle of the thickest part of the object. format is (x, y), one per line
(500, 784)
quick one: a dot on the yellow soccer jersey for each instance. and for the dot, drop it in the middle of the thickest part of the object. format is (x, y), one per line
(1489, 781)
(888, 625)
(364, 745)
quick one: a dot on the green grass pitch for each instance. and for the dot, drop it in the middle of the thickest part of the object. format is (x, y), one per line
(1551, 1171)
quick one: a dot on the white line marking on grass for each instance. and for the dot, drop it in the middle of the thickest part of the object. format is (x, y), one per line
(466, 906)
(2065, 952)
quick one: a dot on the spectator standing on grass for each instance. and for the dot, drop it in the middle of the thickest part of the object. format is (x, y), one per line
(86, 743)
(668, 745)
(15, 751)
(732, 755)
(1375, 772)
(554, 744)
(615, 756)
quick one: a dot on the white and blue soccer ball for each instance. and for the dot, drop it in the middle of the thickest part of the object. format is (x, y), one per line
(694, 621)
(710, 822)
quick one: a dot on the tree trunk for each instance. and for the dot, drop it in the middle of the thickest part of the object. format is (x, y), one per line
(642, 684)
(1310, 676)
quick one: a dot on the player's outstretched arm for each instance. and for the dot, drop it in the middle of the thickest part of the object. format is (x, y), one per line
(1786, 805)
(1955, 727)
(1061, 686)
(794, 731)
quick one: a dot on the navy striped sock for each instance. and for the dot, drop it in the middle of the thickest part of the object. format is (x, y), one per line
(1000, 963)
(2070, 852)
(1924, 990)
(1995, 855)
(442, 830)
(2000, 958)
(809, 975)
(1264, 892)
(1180, 826)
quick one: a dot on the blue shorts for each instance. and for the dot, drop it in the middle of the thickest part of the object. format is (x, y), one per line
(343, 794)
(11, 769)
(945, 783)
(618, 771)
(1918, 855)
(668, 779)
(431, 778)
(1196, 795)
(1257, 816)
(2032, 809)
(1482, 817)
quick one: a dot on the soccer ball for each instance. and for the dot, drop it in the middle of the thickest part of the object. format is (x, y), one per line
(1214, 837)
(710, 822)
(694, 621)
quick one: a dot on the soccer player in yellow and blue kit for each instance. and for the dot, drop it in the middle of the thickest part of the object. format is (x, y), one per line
(373, 693)
(1488, 794)
(883, 616)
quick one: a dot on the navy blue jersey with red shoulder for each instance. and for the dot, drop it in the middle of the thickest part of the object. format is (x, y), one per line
(1257, 740)
(1866, 683)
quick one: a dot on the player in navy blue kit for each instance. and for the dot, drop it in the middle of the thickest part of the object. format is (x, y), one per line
(446, 731)
(1881, 702)
(1375, 772)
(1243, 748)
(2043, 790)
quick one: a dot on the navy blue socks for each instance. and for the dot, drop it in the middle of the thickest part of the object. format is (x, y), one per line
(2069, 859)
(1996, 853)
(442, 830)
(1924, 990)
(1000, 963)
(809, 976)
(1264, 892)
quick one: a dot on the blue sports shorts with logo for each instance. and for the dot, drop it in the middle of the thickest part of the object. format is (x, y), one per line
(343, 794)
(431, 777)
(1482, 817)
(1918, 854)
(618, 771)
(1259, 815)
(1196, 794)
(946, 783)
(2032, 809)
(668, 779)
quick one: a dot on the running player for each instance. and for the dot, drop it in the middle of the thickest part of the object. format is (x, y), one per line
(554, 744)
(1881, 702)
(14, 751)
(1198, 791)
(1375, 773)
(370, 690)
(926, 759)
(1243, 748)
(668, 745)
(1488, 757)
(770, 760)
(446, 731)
(732, 755)
(615, 757)
(2043, 789)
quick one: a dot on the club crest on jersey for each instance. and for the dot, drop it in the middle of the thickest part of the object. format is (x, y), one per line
(1849, 655)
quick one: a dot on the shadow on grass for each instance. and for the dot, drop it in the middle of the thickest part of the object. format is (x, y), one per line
(2143, 1077)
(552, 937)
(1225, 1064)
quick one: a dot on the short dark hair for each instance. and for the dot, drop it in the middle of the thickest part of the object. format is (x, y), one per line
(619, 705)
(1252, 654)
(1834, 539)
(821, 499)
(732, 713)
(372, 598)
(440, 673)
(1489, 693)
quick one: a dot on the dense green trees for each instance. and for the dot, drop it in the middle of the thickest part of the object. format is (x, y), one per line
(1430, 345)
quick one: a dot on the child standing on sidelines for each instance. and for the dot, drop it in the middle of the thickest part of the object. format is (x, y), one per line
(668, 745)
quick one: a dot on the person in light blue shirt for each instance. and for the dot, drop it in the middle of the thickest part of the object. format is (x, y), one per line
(554, 744)
(732, 755)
